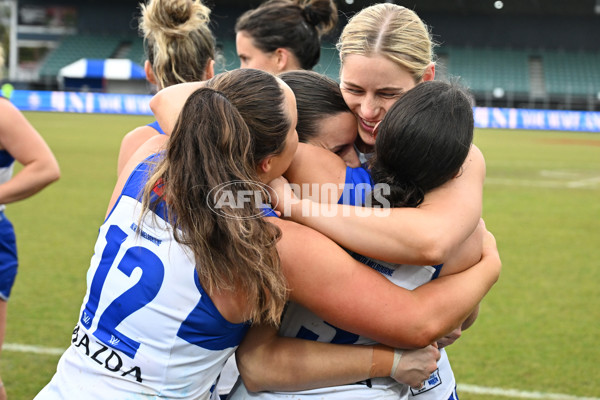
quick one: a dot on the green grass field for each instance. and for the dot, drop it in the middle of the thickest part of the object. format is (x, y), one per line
(537, 330)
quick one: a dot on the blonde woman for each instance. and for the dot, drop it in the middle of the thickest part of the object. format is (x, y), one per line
(386, 51)
(19, 141)
(180, 47)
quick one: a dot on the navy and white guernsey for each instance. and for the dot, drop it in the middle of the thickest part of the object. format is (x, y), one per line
(147, 329)
(299, 322)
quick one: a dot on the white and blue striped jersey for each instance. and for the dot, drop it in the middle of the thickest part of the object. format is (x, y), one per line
(147, 329)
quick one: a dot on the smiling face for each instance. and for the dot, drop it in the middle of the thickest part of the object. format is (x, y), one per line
(370, 86)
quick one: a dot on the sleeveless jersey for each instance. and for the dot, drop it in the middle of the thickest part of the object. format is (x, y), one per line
(441, 383)
(300, 322)
(157, 127)
(147, 329)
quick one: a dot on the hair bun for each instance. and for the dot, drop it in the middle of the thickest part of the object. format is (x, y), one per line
(311, 16)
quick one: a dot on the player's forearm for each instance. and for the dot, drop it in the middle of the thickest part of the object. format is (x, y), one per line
(30, 180)
(462, 293)
(397, 235)
(425, 235)
(470, 319)
(288, 364)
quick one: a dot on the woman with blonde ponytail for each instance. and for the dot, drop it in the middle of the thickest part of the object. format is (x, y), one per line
(180, 47)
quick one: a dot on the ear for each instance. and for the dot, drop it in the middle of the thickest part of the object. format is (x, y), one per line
(209, 71)
(429, 74)
(264, 167)
(283, 59)
(149, 73)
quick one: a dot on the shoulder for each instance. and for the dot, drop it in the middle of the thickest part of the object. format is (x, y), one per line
(475, 158)
(139, 134)
(316, 165)
(9, 111)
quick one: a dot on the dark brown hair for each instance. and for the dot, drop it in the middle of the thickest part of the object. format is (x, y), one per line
(317, 97)
(296, 25)
(422, 141)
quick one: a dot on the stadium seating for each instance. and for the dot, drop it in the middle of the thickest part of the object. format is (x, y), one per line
(486, 69)
(329, 63)
(136, 51)
(74, 47)
(572, 73)
(483, 70)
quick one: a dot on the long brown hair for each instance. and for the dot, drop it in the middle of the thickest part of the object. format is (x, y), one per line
(222, 133)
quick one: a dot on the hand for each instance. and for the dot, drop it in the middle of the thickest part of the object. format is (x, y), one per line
(449, 338)
(282, 196)
(415, 366)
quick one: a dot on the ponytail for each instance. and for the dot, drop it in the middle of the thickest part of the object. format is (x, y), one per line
(211, 145)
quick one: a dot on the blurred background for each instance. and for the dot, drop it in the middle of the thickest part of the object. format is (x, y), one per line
(542, 54)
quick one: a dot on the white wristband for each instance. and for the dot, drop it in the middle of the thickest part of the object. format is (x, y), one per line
(397, 357)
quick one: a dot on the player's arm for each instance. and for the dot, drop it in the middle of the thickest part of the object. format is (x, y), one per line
(426, 235)
(325, 279)
(26, 145)
(315, 168)
(149, 147)
(267, 361)
(168, 103)
(466, 255)
(131, 142)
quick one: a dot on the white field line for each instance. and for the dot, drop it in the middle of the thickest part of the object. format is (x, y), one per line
(590, 183)
(518, 394)
(24, 348)
(513, 393)
(584, 182)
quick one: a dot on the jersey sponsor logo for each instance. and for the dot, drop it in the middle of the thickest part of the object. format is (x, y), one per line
(111, 360)
(145, 235)
(432, 382)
